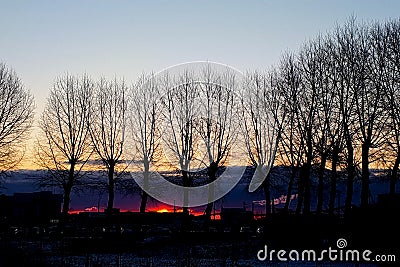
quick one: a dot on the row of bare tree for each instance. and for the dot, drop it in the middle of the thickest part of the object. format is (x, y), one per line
(172, 121)
(334, 105)
(82, 121)
(341, 103)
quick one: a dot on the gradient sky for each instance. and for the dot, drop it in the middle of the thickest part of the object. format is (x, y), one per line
(41, 40)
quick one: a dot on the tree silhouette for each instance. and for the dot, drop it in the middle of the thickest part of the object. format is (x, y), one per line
(16, 116)
(64, 145)
(145, 126)
(290, 147)
(216, 125)
(180, 109)
(392, 96)
(107, 129)
(262, 117)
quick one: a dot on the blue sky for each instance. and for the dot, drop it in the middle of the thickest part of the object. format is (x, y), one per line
(45, 39)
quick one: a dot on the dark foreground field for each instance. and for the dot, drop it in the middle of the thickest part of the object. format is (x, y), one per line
(176, 240)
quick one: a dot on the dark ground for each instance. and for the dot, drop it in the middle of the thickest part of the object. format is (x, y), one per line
(174, 240)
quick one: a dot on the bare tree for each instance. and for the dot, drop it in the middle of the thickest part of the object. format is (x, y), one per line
(16, 116)
(360, 61)
(290, 149)
(371, 112)
(262, 117)
(216, 126)
(326, 125)
(64, 146)
(311, 132)
(392, 96)
(335, 131)
(345, 59)
(180, 136)
(308, 109)
(107, 129)
(145, 126)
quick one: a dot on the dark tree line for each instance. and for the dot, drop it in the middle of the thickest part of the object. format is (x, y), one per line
(334, 105)
(341, 93)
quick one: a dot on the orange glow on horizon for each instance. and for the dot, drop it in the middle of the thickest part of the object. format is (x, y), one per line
(158, 208)
(162, 210)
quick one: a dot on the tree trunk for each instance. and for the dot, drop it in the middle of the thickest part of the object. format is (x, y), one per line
(321, 183)
(67, 198)
(300, 192)
(332, 195)
(267, 191)
(351, 172)
(212, 172)
(393, 175)
(306, 174)
(307, 189)
(144, 195)
(143, 202)
(68, 188)
(365, 174)
(290, 188)
(186, 183)
(111, 189)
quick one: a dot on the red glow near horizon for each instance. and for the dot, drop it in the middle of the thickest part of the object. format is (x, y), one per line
(197, 211)
(158, 210)
(161, 208)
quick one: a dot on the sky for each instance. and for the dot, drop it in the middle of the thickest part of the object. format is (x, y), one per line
(42, 40)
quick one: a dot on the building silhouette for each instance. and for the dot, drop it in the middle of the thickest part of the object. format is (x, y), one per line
(26, 208)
